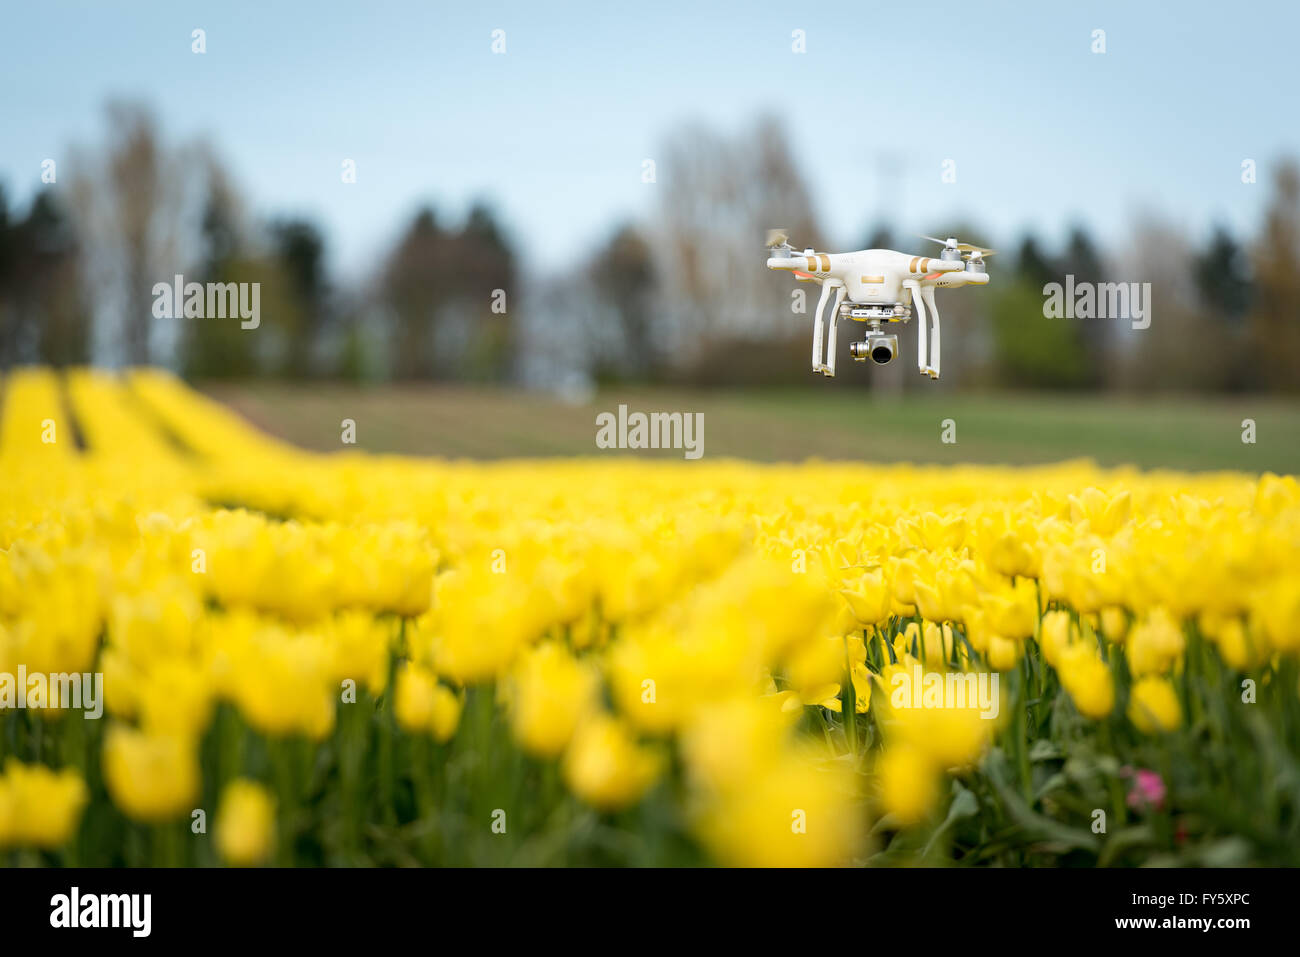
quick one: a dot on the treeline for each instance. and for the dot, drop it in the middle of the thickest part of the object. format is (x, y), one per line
(681, 296)
(79, 268)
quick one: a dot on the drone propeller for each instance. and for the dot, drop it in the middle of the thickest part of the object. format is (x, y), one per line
(951, 243)
(777, 237)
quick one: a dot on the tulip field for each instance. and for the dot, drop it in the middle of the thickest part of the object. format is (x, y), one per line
(350, 659)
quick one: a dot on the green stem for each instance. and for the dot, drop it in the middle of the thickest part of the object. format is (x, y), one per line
(1022, 736)
(849, 704)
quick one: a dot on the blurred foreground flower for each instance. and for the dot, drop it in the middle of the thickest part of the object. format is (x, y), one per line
(152, 777)
(245, 824)
(1148, 790)
(1153, 705)
(606, 767)
(39, 807)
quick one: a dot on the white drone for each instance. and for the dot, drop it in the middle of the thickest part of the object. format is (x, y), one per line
(879, 285)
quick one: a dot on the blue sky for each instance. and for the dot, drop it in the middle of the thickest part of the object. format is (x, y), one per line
(553, 133)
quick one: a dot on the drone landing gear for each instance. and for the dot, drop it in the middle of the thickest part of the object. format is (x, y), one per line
(923, 296)
(827, 367)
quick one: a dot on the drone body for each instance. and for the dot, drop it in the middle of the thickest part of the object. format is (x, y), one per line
(878, 286)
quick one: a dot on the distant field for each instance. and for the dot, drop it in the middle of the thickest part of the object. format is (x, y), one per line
(789, 424)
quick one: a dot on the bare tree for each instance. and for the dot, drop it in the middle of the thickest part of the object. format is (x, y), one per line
(133, 203)
(718, 197)
(1274, 318)
(1183, 347)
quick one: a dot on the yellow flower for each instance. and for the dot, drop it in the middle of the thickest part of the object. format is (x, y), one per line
(1153, 705)
(1055, 635)
(549, 692)
(358, 645)
(175, 697)
(1088, 681)
(245, 824)
(1103, 513)
(424, 706)
(413, 697)
(1155, 644)
(822, 696)
(815, 668)
(909, 784)
(480, 622)
(1231, 637)
(39, 807)
(947, 595)
(792, 812)
(1012, 610)
(934, 644)
(949, 717)
(1114, 624)
(151, 777)
(447, 706)
(861, 689)
(729, 743)
(1275, 615)
(869, 597)
(278, 676)
(1004, 654)
(606, 767)
(902, 579)
(1006, 541)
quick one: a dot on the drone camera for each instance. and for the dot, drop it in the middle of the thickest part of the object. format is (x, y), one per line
(883, 348)
(880, 349)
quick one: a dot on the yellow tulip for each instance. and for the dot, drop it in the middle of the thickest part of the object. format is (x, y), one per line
(151, 777)
(245, 823)
(869, 597)
(792, 812)
(1055, 635)
(413, 698)
(909, 784)
(1088, 681)
(1155, 644)
(551, 691)
(1153, 705)
(445, 718)
(606, 767)
(39, 807)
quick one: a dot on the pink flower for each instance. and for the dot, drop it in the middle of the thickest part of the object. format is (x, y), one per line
(1148, 789)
